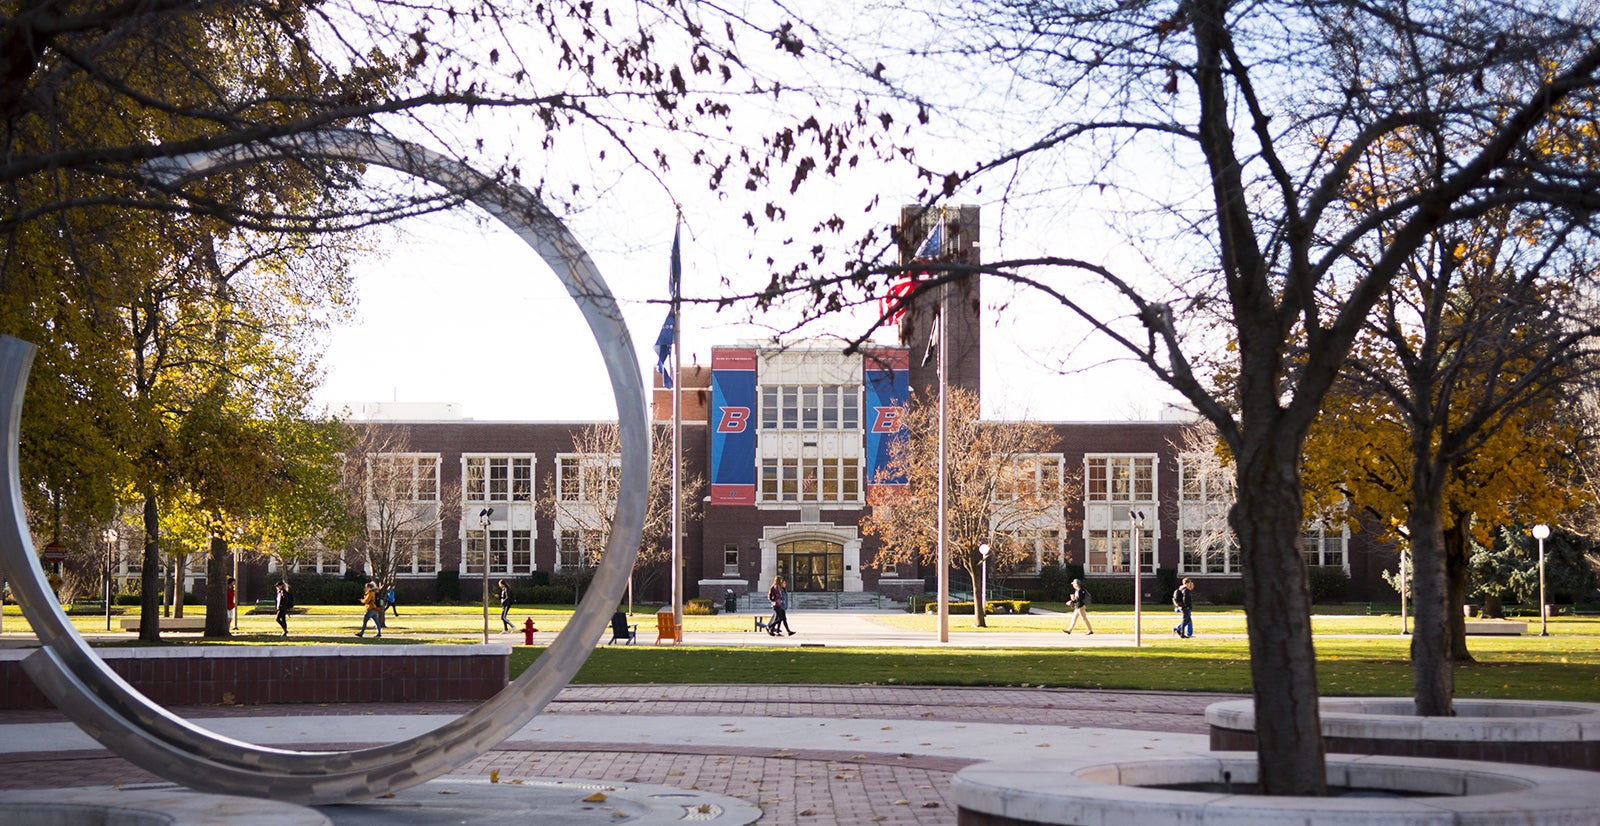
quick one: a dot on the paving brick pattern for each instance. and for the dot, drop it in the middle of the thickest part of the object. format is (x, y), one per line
(792, 784)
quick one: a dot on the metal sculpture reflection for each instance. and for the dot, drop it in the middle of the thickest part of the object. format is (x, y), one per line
(127, 723)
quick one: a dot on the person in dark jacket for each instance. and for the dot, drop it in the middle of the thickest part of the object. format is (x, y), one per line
(779, 597)
(1079, 601)
(1181, 603)
(505, 605)
(284, 604)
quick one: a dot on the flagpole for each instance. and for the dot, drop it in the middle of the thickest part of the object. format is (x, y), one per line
(944, 447)
(677, 435)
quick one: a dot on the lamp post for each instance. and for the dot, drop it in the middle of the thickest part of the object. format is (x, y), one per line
(1136, 519)
(1541, 532)
(983, 575)
(111, 544)
(483, 521)
(1403, 564)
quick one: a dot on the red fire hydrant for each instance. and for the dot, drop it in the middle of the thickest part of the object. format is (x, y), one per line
(528, 631)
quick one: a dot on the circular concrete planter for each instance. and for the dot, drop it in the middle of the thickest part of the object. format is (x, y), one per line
(1428, 793)
(1533, 732)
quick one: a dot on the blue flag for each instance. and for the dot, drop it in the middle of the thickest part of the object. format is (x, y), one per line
(664, 351)
(931, 246)
(675, 269)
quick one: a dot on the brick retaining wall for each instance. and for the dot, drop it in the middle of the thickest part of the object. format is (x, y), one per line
(254, 675)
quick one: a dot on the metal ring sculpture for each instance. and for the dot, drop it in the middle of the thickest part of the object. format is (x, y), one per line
(147, 735)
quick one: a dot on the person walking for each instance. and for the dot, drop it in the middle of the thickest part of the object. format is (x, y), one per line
(232, 605)
(1182, 604)
(505, 605)
(389, 598)
(778, 595)
(1079, 601)
(374, 614)
(284, 604)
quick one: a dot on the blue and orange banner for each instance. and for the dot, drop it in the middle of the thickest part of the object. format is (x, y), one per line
(886, 374)
(733, 426)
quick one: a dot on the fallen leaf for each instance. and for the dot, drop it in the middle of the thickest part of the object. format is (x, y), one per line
(597, 797)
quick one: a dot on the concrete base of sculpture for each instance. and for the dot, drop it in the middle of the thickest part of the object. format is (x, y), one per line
(454, 800)
(1533, 732)
(1215, 790)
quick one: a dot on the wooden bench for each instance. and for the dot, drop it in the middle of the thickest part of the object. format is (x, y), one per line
(170, 624)
(666, 629)
(1507, 628)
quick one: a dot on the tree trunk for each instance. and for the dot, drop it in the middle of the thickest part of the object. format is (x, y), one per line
(1456, 556)
(150, 573)
(1432, 672)
(217, 588)
(1267, 518)
(1492, 607)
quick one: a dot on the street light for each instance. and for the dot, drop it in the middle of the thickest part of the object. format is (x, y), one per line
(1541, 532)
(983, 575)
(111, 544)
(1137, 520)
(483, 520)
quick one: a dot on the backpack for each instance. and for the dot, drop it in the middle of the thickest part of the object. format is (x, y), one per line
(288, 601)
(1083, 597)
(1177, 597)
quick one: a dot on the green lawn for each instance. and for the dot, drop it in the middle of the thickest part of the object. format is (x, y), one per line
(1564, 666)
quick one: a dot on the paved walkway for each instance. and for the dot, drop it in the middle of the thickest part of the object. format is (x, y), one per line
(804, 754)
(819, 755)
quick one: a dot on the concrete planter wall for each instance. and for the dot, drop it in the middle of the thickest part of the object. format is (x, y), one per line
(1437, 793)
(1538, 733)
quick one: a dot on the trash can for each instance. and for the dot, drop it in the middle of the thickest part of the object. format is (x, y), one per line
(730, 602)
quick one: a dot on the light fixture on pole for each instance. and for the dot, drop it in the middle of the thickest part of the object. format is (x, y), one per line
(111, 545)
(483, 521)
(1541, 532)
(983, 575)
(1136, 519)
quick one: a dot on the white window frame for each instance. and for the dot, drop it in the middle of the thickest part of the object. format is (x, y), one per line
(515, 473)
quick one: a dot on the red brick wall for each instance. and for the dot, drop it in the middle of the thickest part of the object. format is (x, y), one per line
(302, 674)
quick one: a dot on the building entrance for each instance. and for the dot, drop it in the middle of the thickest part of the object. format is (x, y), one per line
(812, 565)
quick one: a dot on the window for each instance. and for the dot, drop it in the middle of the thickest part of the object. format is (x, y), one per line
(397, 477)
(1324, 547)
(1041, 545)
(1110, 552)
(588, 477)
(1120, 478)
(810, 407)
(1029, 476)
(499, 478)
(510, 552)
(579, 548)
(730, 560)
(1202, 478)
(1207, 552)
(811, 479)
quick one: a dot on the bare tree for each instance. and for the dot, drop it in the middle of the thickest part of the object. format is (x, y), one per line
(1005, 489)
(394, 503)
(1260, 118)
(583, 504)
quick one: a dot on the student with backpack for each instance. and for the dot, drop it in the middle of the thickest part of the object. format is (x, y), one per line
(285, 604)
(1080, 603)
(1180, 603)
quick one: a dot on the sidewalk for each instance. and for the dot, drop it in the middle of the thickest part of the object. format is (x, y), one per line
(843, 755)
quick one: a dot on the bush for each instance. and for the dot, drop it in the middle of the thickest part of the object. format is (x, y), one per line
(324, 589)
(700, 606)
(995, 606)
(1110, 592)
(1328, 583)
(920, 602)
(449, 586)
(1232, 596)
(1166, 582)
(543, 595)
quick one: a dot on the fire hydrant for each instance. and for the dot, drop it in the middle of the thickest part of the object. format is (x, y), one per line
(528, 631)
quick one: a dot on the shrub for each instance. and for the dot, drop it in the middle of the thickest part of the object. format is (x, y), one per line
(995, 606)
(700, 606)
(543, 595)
(1329, 583)
(1110, 592)
(1166, 582)
(449, 585)
(1232, 596)
(324, 589)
